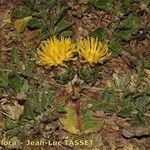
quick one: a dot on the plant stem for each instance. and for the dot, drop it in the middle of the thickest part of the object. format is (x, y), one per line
(102, 89)
(78, 112)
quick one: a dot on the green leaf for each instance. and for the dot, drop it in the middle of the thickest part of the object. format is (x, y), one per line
(127, 3)
(125, 80)
(14, 81)
(101, 106)
(131, 22)
(50, 3)
(99, 32)
(26, 61)
(3, 77)
(126, 111)
(60, 26)
(115, 46)
(88, 74)
(87, 124)
(28, 111)
(22, 12)
(142, 103)
(25, 86)
(106, 95)
(14, 55)
(113, 53)
(23, 120)
(35, 23)
(140, 69)
(126, 107)
(122, 81)
(124, 35)
(35, 101)
(9, 125)
(84, 73)
(61, 106)
(65, 34)
(146, 63)
(39, 7)
(15, 131)
(112, 106)
(109, 101)
(44, 33)
(56, 17)
(137, 121)
(43, 5)
(97, 105)
(46, 99)
(106, 5)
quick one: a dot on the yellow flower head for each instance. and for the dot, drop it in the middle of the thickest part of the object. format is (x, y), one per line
(92, 50)
(54, 52)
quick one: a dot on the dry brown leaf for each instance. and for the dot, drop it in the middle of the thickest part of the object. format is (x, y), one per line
(128, 146)
(13, 111)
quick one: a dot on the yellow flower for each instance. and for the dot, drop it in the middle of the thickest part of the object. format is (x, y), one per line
(54, 52)
(92, 50)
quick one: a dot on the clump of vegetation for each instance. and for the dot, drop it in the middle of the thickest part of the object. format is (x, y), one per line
(44, 16)
(126, 97)
(30, 95)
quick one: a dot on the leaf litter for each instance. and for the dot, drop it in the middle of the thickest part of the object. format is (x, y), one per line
(121, 83)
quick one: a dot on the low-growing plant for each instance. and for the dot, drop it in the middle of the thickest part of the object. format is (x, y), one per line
(40, 102)
(44, 16)
(126, 27)
(124, 99)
